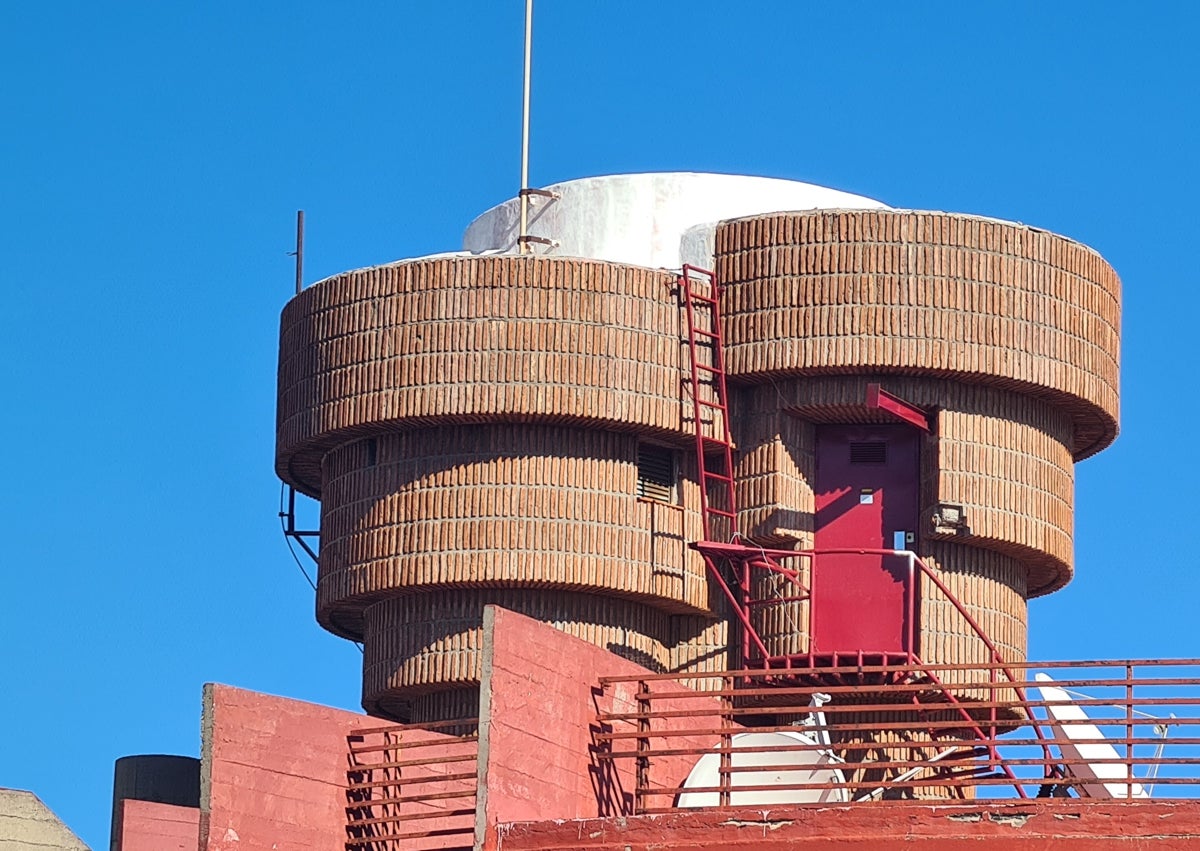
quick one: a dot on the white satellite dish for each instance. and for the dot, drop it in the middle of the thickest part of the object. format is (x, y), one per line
(1082, 743)
(795, 767)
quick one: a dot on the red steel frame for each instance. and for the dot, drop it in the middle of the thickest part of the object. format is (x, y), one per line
(744, 557)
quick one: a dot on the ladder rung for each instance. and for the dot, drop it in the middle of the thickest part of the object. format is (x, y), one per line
(721, 476)
(718, 405)
(721, 513)
(707, 299)
(704, 333)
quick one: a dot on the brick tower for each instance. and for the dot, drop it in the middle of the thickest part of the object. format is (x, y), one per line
(512, 427)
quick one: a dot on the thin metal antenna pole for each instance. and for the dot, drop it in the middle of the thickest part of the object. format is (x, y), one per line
(523, 243)
(299, 251)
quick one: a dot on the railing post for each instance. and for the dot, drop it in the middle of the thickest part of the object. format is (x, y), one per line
(744, 579)
(1129, 732)
(910, 637)
(643, 746)
(726, 773)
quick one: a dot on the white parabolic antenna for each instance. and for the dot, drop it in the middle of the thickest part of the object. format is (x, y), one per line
(1083, 745)
(789, 767)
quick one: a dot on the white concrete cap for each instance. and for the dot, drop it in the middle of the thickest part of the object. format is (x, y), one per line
(642, 219)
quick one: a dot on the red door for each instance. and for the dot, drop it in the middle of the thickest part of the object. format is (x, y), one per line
(866, 494)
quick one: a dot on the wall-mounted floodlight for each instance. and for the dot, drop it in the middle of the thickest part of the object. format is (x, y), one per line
(950, 519)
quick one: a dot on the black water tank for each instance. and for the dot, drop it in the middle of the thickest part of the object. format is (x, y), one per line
(160, 778)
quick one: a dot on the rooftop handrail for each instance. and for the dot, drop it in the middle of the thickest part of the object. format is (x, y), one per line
(748, 555)
(673, 727)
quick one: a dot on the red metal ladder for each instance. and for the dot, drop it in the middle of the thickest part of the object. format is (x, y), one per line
(710, 398)
(714, 446)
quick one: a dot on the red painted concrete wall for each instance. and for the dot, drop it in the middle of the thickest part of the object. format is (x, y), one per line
(272, 772)
(540, 698)
(148, 826)
(1000, 826)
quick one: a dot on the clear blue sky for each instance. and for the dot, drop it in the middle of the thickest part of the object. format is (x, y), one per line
(151, 162)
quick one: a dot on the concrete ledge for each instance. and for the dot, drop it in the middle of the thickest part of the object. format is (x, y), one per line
(1030, 825)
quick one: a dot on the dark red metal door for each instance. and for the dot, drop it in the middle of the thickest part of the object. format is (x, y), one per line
(866, 494)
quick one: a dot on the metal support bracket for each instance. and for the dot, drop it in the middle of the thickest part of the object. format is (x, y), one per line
(880, 399)
(300, 536)
(539, 193)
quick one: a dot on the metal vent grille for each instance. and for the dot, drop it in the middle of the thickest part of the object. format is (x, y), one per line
(868, 452)
(656, 473)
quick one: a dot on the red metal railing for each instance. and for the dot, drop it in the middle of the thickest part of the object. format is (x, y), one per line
(747, 558)
(412, 786)
(1125, 729)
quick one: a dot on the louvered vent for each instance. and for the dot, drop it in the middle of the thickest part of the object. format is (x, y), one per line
(868, 452)
(656, 473)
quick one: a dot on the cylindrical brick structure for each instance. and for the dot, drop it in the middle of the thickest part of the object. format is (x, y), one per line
(1006, 334)
(517, 430)
(473, 427)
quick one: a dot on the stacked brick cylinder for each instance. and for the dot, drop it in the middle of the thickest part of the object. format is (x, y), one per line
(1009, 335)
(472, 426)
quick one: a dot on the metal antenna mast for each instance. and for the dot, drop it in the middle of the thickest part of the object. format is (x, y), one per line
(523, 242)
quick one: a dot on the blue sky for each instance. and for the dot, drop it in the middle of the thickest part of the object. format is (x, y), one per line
(154, 155)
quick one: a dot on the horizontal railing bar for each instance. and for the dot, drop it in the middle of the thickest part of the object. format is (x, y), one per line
(906, 707)
(409, 763)
(916, 783)
(805, 690)
(427, 834)
(851, 785)
(415, 799)
(466, 811)
(415, 781)
(768, 601)
(403, 746)
(395, 781)
(424, 725)
(929, 782)
(406, 745)
(409, 799)
(927, 666)
(853, 765)
(970, 685)
(798, 747)
(661, 752)
(947, 725)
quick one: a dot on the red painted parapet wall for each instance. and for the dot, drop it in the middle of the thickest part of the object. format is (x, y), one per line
(1085, 825)
(272, 772)
(539, 700)
(149, 826)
